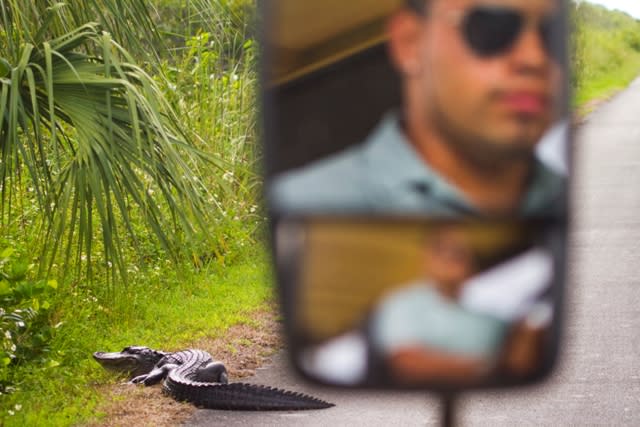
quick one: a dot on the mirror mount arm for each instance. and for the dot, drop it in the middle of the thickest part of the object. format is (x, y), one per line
(448, 407)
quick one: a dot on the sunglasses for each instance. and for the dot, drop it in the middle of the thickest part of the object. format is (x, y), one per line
(492, 30)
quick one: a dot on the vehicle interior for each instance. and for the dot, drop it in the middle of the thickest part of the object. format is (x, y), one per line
(325, 61)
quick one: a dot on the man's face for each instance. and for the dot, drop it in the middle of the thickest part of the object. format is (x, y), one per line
(449, 260)
(490, 105)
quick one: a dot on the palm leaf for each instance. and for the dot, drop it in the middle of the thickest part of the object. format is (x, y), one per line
(129, 21)
(96, 137)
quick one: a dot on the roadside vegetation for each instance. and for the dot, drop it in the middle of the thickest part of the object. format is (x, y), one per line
(129, 185)
(129, 209)
(605, 52)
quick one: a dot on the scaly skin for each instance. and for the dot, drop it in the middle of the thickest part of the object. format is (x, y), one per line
(193, 376)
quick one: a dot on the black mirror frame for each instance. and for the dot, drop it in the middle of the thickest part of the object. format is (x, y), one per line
(284, 275)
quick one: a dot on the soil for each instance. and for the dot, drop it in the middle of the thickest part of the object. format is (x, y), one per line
(242, 349)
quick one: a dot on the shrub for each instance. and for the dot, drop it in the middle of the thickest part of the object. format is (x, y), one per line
(25, 331)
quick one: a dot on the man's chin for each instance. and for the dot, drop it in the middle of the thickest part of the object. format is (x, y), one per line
(520, 139)
(495, 140)
(501, 149)
(529, 130)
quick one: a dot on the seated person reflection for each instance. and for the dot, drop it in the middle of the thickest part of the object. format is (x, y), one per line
(457, 325)
(480, 85)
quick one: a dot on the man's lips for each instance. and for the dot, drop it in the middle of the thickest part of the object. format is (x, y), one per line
(524, 102)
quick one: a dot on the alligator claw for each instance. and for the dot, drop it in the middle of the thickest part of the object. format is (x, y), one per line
(139, 379)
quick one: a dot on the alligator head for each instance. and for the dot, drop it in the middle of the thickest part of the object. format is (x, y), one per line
(133, 360)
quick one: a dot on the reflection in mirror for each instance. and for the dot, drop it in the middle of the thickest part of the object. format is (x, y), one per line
(410, 303)
(434, 108)
(416, 178)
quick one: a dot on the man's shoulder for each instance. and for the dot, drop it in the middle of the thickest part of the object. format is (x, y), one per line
(336, 183)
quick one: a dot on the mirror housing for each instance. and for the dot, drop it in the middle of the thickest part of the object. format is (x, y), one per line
(396, 266)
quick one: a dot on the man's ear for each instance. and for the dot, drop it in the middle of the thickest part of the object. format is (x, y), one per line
(404, 29)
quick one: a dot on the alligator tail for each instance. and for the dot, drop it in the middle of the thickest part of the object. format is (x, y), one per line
(242, 396)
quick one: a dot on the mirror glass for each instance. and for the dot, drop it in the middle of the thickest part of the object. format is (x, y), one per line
(416, 178)
(409, 302)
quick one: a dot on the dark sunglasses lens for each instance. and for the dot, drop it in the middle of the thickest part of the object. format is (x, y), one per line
(551, 33)
(491, 31)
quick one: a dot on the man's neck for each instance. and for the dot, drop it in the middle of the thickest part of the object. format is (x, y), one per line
(495, 189)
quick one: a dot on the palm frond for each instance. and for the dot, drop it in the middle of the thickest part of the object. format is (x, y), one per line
(129, 21)
(99, 143)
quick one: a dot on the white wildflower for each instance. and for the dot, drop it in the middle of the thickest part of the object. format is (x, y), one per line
(228, 176)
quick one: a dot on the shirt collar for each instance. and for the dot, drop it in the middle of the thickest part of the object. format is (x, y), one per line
(397, 166)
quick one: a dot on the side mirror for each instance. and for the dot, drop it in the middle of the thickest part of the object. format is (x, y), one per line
(416, 176)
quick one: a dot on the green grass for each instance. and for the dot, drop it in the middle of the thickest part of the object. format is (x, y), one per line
(163, 310)
(208, 77)
(608, 84)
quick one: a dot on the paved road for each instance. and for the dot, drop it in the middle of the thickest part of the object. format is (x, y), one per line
(598, 380)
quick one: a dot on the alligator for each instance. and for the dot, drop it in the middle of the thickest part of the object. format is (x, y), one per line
(194, 376)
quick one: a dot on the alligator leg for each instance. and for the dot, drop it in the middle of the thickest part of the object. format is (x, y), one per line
(155, 376)
(213, 372)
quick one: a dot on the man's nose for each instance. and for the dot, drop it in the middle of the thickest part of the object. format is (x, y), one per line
(529, 51)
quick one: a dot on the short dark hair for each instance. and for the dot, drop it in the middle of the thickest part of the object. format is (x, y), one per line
(419, 6)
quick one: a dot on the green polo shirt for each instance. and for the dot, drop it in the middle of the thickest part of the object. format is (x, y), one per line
(386, 175)
(418, 315)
